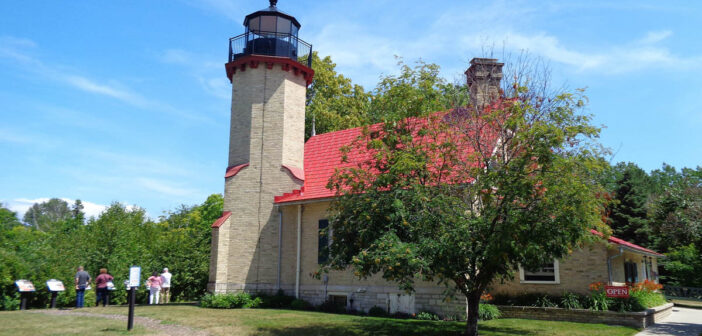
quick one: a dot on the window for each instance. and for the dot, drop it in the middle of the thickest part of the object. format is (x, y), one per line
(323, 242)
(546, 274)
(631, 272)
(338, 300)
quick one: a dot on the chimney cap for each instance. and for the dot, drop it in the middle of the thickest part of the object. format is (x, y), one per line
(480, 60)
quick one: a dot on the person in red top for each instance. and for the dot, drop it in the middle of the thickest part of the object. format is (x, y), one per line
(102, 292)
(154, 283)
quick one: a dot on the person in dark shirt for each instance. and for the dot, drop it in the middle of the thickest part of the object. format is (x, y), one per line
(82, 282)
(101, 283)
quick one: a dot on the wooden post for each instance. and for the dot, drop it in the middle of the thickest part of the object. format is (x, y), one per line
(53, 299)
(132, 299)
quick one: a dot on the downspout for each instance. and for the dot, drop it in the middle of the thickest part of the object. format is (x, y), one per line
(297, 262)
(280, 245)
(609, 263)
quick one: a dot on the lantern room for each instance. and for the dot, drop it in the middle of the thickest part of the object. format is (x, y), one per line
(271, 32)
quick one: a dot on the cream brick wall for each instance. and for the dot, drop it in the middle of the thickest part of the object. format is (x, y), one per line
(267, 131)
(577, 271)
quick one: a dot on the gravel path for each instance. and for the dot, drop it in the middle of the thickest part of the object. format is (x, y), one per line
(682, 321)
(149, 323)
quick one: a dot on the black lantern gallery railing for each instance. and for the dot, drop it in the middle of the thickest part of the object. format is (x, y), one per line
(270, 44)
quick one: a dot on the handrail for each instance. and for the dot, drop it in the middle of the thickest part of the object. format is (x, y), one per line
(270, 44)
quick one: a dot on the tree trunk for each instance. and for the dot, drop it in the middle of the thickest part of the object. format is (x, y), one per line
(472, 314)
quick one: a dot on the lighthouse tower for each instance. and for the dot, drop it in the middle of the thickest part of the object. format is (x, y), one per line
(269, 68)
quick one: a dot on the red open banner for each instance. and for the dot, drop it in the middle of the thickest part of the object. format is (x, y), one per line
(617, 291)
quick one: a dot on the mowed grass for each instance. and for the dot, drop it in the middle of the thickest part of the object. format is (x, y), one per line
(273, 322)
(18, 323)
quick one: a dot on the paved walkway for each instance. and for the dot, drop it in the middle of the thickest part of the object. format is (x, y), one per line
(683, 321)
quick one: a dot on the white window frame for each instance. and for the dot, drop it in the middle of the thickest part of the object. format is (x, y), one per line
(556, 271)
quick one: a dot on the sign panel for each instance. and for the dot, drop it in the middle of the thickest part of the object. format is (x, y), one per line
(617, 291)
(134, 276)
(55, 285)
(24, 286)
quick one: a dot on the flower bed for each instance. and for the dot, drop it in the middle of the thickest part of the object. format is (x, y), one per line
(641, 319)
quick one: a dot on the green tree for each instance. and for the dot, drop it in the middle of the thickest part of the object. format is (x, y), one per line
(417, 91)
(628, 215)
(333, 101)
(8, 218)
(683, 266)
(42, 215)
(463, 198)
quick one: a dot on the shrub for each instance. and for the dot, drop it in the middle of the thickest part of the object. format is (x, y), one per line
(279, 300)
(400, 315)
(488, 312)
(299, 304)
(545, 301)
(10, 302)
(571, 301)
(427, 316)
(598, 301)
(646, 299)
(227, 301)
(331, 307)
(377, 311)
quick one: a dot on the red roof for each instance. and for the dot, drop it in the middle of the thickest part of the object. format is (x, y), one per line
(220, 220)
(625, 243)
(322, 157)
(233, 170)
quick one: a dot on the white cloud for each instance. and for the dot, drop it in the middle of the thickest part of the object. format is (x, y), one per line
(163, 187)
(207, 70)
(655, 36)
(15, 49)
(21, 205)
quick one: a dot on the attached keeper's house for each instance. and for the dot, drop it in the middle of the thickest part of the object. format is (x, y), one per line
(276, 199)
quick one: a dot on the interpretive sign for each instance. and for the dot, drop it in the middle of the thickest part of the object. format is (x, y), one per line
(55, 285)
(134, 276)
(617, 291)
(24, 286)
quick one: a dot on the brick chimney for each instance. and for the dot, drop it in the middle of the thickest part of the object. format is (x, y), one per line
(483, 79)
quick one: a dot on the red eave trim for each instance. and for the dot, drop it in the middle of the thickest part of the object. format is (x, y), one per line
(622, 242)
(253, 61)
(221, 220)
(297, 172)
(233, 170)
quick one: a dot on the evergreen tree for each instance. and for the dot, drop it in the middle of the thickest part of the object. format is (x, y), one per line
(628, 216)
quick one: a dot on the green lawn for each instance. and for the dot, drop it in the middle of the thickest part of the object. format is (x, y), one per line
(24, 323)
(272, 322)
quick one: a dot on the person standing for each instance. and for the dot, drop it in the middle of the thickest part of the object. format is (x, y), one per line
(101, 283)
(166, 285)
(154, 282)
(82, 282)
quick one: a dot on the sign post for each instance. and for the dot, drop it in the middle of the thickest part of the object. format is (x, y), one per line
(54, 287)
(24, 287)
(134, 277)
(617, 291)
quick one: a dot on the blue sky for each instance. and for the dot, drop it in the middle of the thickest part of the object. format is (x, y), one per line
(128, 101)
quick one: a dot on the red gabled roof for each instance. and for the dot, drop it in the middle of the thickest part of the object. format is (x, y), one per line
(625, 243)
(220, 220)
(322, 157)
